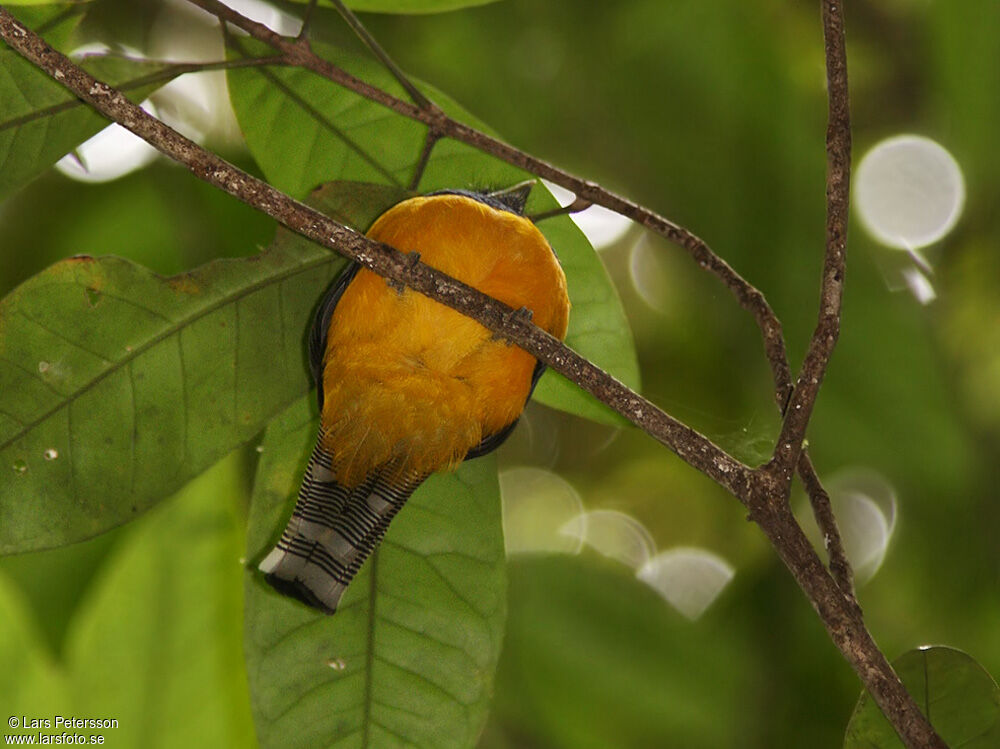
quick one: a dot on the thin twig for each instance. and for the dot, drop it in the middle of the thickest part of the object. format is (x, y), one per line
(840, 567)
(838, 186)
(307, 17)
(415, 94)
(575, 207)
(430, 141)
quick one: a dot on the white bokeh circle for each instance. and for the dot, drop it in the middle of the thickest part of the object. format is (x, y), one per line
(909, 192)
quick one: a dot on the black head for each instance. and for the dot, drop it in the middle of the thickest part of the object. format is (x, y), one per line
(511, 199)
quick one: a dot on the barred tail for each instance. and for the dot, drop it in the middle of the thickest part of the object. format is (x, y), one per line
(332, 531)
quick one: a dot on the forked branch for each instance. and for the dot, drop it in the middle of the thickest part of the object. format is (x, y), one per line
(764, 491)
(587, 193)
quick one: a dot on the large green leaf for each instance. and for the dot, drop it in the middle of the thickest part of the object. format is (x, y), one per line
(156, 641)
(961, 699)
(118, 385)
(157, 644)
(30, 680)
(408, 659)
(41, 121)
(304, 130)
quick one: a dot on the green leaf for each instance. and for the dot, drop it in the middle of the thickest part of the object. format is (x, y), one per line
(409, 657)
(41, 121)
(407, 6)
(304, 131)
(961, 699)
(117, 385)
(598, 328)
(156, 642)
(30, 680)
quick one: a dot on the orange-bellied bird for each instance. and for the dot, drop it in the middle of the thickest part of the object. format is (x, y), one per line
(408, 386)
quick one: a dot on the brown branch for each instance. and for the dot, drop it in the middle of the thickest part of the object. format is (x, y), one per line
(764, 491)
(838, 187)
(430, 140)
(307, 17)
(832, 601)
(843, 621)
(749, 297)
(688, 444)
(575, 207)
(840, 567)
(299, 53)
(587, 193)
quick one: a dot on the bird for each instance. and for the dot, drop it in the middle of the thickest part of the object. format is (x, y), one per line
(408, 386)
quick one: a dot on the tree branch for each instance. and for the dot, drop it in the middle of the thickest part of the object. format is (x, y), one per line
(838, 189)
(840, 566)
(393, 265)
(749, 296)
(587, 193)
(764, 491)
(299, 53)
(844, 621)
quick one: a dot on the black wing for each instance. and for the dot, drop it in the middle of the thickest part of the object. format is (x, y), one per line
(491, 442)
(321, 324)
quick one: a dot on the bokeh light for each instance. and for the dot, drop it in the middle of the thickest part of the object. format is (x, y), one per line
(650, 276)
(197, 104)
(909, 192)
(537, 504)
(614, 534)
(919, 285)
(865, 506)
(688, 578)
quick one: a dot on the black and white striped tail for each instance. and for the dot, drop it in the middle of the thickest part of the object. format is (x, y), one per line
(332, 532)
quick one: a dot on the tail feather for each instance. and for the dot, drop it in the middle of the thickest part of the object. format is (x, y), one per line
(333, 530)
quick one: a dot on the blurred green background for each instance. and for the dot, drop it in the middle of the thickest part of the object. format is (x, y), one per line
(712, 113)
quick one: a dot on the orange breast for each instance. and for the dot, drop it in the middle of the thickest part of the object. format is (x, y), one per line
(410, 381)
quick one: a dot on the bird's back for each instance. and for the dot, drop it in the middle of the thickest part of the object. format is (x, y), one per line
(410, 386)
(409, 380)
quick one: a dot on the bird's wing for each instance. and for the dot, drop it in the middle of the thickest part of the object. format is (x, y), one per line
(321, 324)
